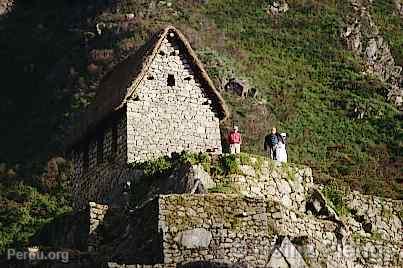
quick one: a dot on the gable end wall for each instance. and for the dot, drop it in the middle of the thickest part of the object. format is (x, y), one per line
(163, 119)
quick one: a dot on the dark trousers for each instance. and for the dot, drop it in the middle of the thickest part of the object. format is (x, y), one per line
(271, 151)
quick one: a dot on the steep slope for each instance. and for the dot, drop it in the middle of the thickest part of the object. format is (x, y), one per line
(310, 85)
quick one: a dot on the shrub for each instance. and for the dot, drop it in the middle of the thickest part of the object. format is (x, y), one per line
(155, 168)
(335, 194)
(230, 164)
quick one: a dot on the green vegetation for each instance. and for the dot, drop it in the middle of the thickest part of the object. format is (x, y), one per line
(224, 187)
(229, 164)
(245, 159)
(159, 169)
(336, 195)
(309, 86)
(24, 210)
(164, 165)
(391, 26)
(291, 174)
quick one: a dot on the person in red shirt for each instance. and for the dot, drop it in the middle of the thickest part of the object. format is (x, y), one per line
(234, 139)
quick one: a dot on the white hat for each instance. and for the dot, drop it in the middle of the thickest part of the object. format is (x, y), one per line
(283, 134)
(236, 128)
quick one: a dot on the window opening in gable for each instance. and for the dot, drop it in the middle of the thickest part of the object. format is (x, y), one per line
(171, 80)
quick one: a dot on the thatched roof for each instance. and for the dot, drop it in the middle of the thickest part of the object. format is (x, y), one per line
(121, 84)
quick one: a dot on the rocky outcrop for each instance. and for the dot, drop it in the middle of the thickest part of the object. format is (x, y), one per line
(6, 6)
(236, 86)
(362, 36)
(277, 7)
(399, 7)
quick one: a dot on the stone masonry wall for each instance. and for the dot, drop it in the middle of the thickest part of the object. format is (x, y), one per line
(292, 187)
(286, 184)
(101, 180)
(272, 202)
(215, 228)
(375, 215)
(97, 213)
(232, 229)
(166, 118)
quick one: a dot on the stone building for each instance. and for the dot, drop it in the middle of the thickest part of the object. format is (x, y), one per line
(157, 102)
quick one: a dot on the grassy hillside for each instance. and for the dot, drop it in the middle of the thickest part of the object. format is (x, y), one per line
(309, 84)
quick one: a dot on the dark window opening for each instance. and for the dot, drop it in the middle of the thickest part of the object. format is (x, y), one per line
(173, 53)
(150, 77)
(100, 148)
(171, 80)
(114, 139)
(162, 53)
(86, 157)
(188, 78)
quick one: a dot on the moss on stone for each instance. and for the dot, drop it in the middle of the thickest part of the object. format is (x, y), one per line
(245, 159)
(230, 164)
(224, 188)
(290, 171)
(376, 236)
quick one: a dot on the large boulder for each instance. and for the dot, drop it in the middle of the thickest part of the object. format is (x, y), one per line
(188, 179)
(317, 205)
(195, 238)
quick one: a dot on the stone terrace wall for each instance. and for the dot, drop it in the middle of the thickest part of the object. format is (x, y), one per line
(292, 187)
(286, 184)
(215, 228)
(378, 215)
(165, 119)
(101, 180)
(324, 241)
(232, 229)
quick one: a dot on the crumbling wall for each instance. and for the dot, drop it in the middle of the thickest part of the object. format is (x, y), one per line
(293, 187)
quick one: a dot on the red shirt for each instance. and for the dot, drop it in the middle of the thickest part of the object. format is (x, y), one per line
(234, 137)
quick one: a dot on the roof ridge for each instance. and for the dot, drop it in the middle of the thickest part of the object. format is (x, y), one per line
(119, 85)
